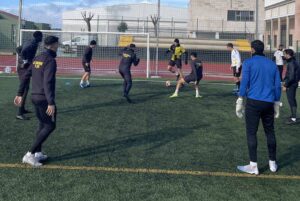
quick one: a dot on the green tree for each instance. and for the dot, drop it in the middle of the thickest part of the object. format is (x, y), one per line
(123, 27)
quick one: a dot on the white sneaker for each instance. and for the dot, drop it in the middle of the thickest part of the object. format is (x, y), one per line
(31, 160)
(40, 156)
(250, 169)
(198, 96)
(273, 166)
(174, 96)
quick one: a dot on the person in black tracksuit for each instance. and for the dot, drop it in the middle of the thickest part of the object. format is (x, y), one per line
(86, 63)
(291, 80)
(194, 77)
(129, 57)
(26, 54)
(43, 73)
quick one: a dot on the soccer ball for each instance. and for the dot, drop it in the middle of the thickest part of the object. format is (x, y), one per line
(168, 83)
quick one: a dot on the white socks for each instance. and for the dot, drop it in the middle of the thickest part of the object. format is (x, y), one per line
(253, 164)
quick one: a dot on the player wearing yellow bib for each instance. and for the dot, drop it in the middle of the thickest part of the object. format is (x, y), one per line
(177, 52)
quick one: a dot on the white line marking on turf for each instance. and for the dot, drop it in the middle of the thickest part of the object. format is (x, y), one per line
(134, 80)
(151, 171)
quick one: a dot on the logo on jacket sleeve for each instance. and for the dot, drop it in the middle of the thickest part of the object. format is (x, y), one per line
(38, 64)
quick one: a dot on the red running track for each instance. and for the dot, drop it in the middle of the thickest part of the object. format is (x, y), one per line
(106, 67)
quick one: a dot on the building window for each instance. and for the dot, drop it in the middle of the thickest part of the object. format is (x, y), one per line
(275, 41)
(269, 40)
(290, 40)
(240, 16)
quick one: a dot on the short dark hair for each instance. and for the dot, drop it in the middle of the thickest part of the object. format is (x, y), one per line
(194, 54)
(38, 34)
(132, 45)
(230, 45)
(280, 45)
(49, 40)
(289, 52)
(258, 46)
(176, 40)
(93, 42)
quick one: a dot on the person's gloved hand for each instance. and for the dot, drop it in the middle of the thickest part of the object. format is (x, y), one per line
(239, 108)
(277, 106)
(25, 64)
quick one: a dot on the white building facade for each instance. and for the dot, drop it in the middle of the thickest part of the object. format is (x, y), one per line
(226, 18)
(282, 19)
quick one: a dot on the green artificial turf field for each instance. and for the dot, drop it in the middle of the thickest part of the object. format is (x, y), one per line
(156, 149)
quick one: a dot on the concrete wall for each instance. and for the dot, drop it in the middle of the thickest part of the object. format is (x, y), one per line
(282, 20)
(208, 15)
(297, 21)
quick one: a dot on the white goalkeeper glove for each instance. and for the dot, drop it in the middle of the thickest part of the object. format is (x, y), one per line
(239, 110)
(277, 106)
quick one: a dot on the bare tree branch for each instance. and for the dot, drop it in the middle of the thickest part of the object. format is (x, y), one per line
(87, 19)
(154, 19)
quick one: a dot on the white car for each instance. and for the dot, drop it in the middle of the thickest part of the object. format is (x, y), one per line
(78, 40)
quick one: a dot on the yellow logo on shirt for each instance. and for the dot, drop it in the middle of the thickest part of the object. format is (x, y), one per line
(38, 64)
(126, 55)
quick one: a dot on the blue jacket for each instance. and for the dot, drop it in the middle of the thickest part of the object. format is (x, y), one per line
(260, 80)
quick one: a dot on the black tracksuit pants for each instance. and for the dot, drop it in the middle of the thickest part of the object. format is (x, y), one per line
(47, 124)
(21, 73)
(127, 84)
(256, 110)
(280, 68)
(291, 96)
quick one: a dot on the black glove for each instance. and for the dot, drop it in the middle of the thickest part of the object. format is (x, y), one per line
(25, 65)
(137, 61)
(186, 58)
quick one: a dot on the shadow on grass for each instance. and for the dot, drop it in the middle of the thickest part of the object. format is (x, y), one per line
(291, 156)
(115, 103)
(154, 139)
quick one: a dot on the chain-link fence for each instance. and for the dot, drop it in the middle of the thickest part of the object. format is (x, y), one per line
(203, 26)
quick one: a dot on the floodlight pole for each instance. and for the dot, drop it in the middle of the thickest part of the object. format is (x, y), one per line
(20, 21)
(257, 15)
(157, 36)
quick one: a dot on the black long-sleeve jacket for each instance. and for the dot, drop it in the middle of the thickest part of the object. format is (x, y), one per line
(128, 58)
(88, 54)
(29, 50)
(43, 73)
(197, 69)
(292, 74)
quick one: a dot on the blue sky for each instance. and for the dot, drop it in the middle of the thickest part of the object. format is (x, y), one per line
(50, 11)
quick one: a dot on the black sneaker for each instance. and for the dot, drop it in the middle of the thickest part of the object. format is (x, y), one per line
(127, 98)
(26, 112)
(291, 122)
(21, 117)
